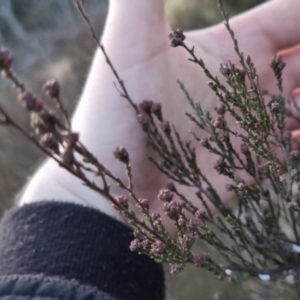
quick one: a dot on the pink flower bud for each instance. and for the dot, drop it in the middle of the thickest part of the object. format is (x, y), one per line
(176, 38)
(165, 195)
(123, 200)
(135, 245)
(52, 88)
(121, 154)
(241, 185)
(6, 58)
(39, 105)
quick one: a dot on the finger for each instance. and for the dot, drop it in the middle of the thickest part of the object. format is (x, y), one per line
(293, 111)
(296, 139)
(291, 73)
(268, 28)
(275, 25)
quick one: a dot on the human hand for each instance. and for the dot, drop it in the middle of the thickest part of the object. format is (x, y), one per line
(138, 46)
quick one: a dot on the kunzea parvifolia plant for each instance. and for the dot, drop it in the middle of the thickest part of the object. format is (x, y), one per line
(249, 237)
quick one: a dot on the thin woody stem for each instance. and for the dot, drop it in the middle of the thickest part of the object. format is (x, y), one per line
(124, 93)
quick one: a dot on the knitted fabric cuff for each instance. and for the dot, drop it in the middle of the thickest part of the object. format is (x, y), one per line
(76, 242)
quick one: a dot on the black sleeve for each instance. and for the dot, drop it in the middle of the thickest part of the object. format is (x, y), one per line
(71, 243)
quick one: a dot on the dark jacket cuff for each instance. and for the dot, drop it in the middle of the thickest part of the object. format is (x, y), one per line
(38, 287)
(70, 241)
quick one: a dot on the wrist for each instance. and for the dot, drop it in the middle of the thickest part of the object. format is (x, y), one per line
(53, 183)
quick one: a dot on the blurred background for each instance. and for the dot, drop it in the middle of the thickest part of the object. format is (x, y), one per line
(49, 40)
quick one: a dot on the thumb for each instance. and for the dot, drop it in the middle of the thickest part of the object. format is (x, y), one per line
(296, 139)
(135, 30)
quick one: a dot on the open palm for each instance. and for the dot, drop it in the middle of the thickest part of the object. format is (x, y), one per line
(135, 38)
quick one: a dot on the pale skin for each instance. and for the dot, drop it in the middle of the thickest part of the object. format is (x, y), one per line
(135, 37)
